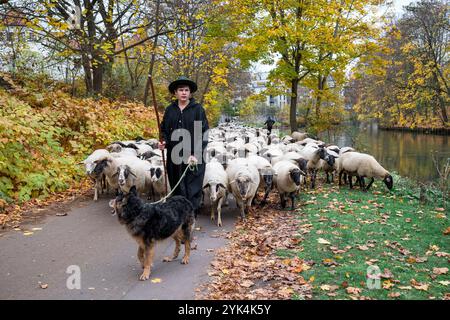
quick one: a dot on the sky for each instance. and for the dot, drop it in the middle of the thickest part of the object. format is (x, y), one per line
(396, 6)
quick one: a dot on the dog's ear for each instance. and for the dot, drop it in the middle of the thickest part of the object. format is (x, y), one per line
(112, 203)
(133, 190)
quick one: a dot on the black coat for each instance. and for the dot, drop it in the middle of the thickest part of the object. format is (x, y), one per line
(174, 118)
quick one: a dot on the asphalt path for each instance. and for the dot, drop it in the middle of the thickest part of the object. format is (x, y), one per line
(39, 260)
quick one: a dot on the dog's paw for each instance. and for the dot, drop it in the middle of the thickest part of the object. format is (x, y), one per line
(145, 275)
(185, 260)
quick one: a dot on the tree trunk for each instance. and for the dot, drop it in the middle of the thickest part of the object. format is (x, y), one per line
(97, 78)
(320, 87)
(87, 74)
(293, 108)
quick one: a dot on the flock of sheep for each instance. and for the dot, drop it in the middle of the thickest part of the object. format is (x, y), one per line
(239, 160)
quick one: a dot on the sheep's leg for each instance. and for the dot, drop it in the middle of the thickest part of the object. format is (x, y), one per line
(266, 194)
(219, 212)
(96, 190)
(282, 200)
(340, 177)
(332, 177)
(242, 207)
(313, 179)
(212, 212)
(140, 255)
(328, 178)
(362, 184)
(370, 183)
(149, 252)
(350, 179)
(292, 196)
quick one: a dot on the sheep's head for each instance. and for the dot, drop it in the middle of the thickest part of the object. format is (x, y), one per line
(388, 181)
(267, 174)
(302, 164)
(295, 174)
(114, 147)
(100, 165)
(156, 174)
(214, 189)
(124, 173)
(243, 184)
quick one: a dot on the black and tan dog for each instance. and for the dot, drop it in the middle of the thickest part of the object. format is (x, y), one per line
(148, 223)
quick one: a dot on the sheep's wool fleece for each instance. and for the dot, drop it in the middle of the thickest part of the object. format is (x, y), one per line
(363, 164)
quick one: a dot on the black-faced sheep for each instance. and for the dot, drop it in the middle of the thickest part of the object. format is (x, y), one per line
(243, 183)
(363, 166)
(215, 185)
(287, 179)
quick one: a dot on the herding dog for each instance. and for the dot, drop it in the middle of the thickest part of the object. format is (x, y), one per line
(148, 223)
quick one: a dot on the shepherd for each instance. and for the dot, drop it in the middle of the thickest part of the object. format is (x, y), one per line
(269, 122)
(186, 119)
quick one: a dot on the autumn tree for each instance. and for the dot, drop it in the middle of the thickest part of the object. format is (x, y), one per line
(306, 38)
(406, 83)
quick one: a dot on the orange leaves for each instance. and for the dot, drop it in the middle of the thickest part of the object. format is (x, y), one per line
(249, 268)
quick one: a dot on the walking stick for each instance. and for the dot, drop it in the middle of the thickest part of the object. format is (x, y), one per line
(150, 82)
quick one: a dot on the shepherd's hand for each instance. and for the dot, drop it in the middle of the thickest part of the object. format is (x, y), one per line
(192, 160)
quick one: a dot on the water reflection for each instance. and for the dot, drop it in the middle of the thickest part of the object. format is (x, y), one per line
(407, 153)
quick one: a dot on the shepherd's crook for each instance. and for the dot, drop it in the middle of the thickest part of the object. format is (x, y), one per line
(150, 81)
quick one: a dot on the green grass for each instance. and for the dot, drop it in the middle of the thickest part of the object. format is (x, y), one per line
(374, 220)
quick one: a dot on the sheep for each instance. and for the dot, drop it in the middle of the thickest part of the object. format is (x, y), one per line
(158, 182)
(108, 165)
(287, 179)
(243, 183)
(298, 136)
(346, 149)
(306, 141)
(134, 172)
(265, 174)
(326, 167)
(99, 180)
(215, 183)
(313, 154)
(363, 166)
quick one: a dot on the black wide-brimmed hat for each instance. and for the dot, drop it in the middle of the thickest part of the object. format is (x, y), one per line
(182, 81)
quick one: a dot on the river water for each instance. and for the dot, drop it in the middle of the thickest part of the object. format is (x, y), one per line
(407, 153)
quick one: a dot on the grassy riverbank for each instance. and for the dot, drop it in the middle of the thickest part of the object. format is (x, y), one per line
(324, 248)
(345, 231)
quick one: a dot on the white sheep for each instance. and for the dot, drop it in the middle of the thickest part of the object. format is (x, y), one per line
(265, 174)
(326, 167)
(363, 166)
(287, 179)
(89, 163)
(299, 136)
(158, 181)
(243, 183)
(134, 172)
(215, 184)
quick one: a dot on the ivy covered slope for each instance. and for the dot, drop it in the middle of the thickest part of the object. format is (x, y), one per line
(44, 133)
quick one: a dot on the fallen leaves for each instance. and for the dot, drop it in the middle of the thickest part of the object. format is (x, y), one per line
(439, 271)
(353, 290)
(156, 280)
(419, 286)
(249, 267)
(323, 241)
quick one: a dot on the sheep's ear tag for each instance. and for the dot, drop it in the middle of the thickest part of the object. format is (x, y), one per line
(112, 203)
